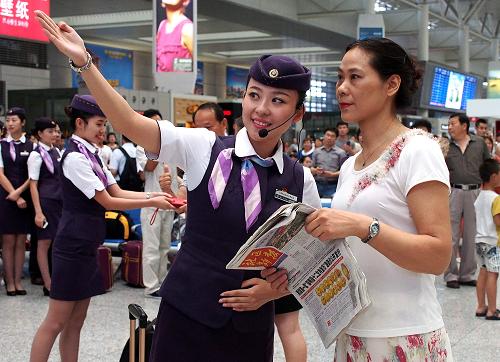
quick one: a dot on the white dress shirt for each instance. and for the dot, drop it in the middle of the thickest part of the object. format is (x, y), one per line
(35, 162)
(9, 139)
(105, 154)
(118, 159)
(191, 148)
(79, 171)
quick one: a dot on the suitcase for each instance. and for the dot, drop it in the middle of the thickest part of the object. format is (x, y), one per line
(138, 346)
(104, 261)
(132, 263)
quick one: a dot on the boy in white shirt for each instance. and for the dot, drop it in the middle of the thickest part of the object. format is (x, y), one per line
(487, 207)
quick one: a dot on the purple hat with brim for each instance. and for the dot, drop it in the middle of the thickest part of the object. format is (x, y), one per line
(44, 123)
(16, 111)
(280, 71)
(86, 103)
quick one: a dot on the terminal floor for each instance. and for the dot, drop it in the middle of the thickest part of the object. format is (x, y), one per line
(106, 328)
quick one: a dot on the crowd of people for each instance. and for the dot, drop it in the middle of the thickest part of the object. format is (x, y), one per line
(408, 206)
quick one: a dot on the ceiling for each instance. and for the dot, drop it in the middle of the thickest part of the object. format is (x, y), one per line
(314, 31)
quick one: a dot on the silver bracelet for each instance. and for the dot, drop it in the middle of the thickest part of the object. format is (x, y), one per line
(84, 68)
(148, 195)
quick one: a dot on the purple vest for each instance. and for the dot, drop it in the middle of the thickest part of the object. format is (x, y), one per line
(82, 218)
(213, 237)
(49, 185)
(16, 171)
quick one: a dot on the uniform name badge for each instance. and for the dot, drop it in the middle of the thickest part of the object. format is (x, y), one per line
(285, 197)
(24, 153)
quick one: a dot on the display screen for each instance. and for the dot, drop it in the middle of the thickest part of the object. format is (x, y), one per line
(452, 89)
(17, 19)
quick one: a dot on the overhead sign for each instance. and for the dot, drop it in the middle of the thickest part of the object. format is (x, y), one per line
(17, 19)
(116, 65)
(370, 26)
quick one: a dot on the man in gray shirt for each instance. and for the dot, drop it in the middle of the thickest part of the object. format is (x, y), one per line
(466, 154)
(326, 164)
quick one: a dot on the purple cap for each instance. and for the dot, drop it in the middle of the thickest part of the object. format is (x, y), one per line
(86, 103)
(281, 72)
(44, 123)
(16, 111)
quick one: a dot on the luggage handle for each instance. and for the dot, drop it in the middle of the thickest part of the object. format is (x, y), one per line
(136, 312)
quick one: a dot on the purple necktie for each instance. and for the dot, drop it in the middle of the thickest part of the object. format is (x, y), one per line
(12, 151)
(249, 181)
(46, 159)
(96, 167)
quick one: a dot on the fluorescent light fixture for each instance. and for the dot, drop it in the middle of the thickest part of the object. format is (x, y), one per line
(298, 50)
(232, 35)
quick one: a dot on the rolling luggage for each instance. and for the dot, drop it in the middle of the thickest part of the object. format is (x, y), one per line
(104, 260)
(132, 263)
(138, 346)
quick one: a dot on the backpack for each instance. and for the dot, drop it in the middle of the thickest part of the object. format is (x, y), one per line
(117, 225)
(129, 178)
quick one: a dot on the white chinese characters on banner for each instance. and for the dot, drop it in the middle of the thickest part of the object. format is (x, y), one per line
(7, 10)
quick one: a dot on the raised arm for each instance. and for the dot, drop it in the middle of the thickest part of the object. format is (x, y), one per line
(142, 130)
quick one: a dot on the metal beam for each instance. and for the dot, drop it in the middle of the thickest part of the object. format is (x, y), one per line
(444, 19)
(474, 8)
(109, 20)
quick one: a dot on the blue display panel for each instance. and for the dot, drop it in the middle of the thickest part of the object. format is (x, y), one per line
(452, 89)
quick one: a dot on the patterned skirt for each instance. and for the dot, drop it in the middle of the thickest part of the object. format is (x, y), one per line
(430, 347)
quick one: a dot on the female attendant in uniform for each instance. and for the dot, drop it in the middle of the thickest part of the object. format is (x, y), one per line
(231, 182)
(392, 206)
(43, 169)
(15, 211)
(88, 189)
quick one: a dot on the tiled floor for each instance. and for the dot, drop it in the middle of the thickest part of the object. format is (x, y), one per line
(106, 327)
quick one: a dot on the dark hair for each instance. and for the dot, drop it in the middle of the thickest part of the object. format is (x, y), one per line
(300, 100)
(462, 118)
(239, 122)
(423, 123)
(219, 113)
(125, 139)
(481, 120)
(488, 168)
(342, 123)
(389, 58)
(109, 135)
(334, 130)
(73, 114)
(152, 112)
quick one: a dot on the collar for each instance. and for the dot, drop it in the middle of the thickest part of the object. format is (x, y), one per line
(20, 140)
(243, 148)
(47, 148)
(89, 146)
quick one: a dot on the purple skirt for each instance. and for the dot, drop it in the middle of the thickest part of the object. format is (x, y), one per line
(75, 272)
(14, 220)
(52, 210)
(178, 338)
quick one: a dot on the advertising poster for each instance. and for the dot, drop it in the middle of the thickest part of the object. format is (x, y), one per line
(116, 65)
(174, 36)
(17, 19)
(236, 80)
(184, 109)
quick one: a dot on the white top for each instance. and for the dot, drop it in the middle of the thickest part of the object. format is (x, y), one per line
(105, 154)
(79, 171)
(486, 228)
(151, 178)
(118, 159)
(190, 149)
(9, 139)
(35, 162)
(403, 302)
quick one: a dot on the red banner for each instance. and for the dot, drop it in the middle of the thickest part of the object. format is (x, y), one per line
(17, 19)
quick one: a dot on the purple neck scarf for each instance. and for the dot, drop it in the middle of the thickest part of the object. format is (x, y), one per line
(92, 158)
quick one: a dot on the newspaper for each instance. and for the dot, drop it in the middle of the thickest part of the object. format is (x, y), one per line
(324, 277)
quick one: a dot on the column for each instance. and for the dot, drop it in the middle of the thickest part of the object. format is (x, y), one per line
(423, 32)
(463, 38)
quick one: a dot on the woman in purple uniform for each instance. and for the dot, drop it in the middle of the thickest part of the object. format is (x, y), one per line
(45, 187)
(209, 312)
(15, 209)
(88, 189)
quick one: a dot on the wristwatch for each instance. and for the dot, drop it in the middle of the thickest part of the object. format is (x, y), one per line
(373, 230)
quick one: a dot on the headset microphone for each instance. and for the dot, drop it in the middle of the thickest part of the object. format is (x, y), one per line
(264, 132)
